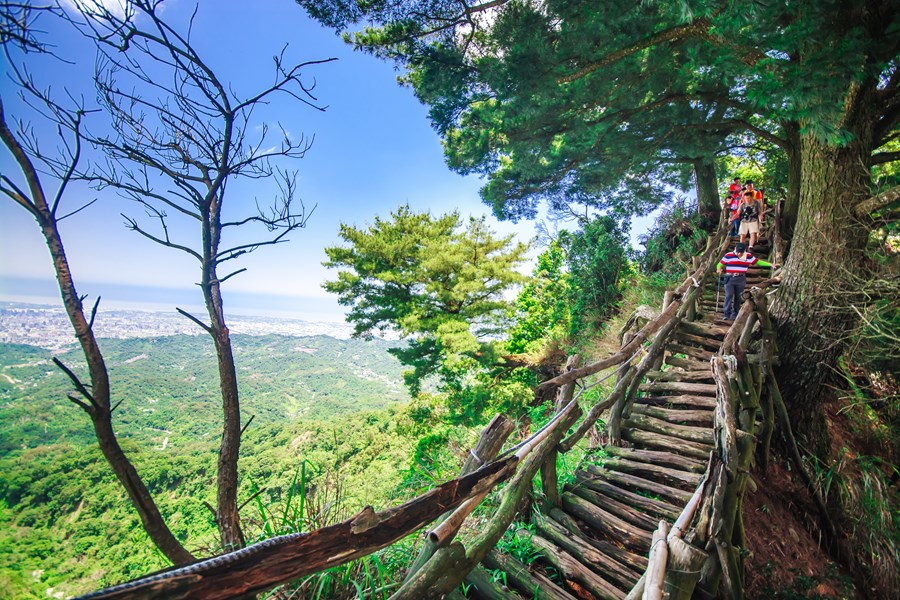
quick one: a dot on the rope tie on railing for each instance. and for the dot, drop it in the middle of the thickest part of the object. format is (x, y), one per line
(730, 365)
(696, 283)
(476, 457)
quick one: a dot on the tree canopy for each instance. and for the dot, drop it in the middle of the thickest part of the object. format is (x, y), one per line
(429, 278)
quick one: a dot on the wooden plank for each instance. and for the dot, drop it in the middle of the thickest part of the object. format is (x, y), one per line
(655, 441)
(640, 484)
(635, 562)
(532, 585)
(676, 461)
(704, 329)
(702, 417)
(691, 376)
(691, 364)
(572, 569)
(672, 477)
(700, 389)
(698, 402)
(656, 507)
(698, 340)
(620, 509)
(578, 545)
(702, 435)
(703, 355)
(607, 523)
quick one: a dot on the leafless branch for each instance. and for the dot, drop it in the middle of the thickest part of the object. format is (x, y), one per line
(203, 325)
(78, 385)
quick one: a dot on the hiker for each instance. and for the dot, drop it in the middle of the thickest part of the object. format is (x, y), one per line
(735, 265)
(735, 186)
(732, 202)
(750, 213)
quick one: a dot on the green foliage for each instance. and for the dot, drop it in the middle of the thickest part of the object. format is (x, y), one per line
(597, 265)
(427, 278)
(542, 309)
(675, 237)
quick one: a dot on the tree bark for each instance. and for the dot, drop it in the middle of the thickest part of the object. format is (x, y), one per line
(813, 306)
(708, 202)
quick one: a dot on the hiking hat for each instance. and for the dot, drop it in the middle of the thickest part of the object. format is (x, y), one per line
(740, 247)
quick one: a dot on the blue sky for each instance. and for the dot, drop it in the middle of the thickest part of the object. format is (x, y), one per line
(373, 151)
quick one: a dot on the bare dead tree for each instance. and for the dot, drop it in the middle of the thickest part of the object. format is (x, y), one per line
(180, 134)
(38, 169)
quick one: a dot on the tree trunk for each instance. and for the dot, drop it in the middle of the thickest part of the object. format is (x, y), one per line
(813, 307)
(227, 517)
(795, 178)
(708, 202)
(97, 401)
(100, 410)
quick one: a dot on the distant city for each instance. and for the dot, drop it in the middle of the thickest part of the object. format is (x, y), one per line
(48, 326)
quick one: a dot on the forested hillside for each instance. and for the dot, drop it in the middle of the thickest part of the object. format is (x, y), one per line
(325, 408)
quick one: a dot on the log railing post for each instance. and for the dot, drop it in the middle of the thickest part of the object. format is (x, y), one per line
(549, 477)
(486, 449)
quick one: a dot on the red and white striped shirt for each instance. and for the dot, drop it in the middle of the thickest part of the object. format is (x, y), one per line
(735, 265)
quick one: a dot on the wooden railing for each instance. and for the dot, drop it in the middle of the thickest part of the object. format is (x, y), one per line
(443, 560)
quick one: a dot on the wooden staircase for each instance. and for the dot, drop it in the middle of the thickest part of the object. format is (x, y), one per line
(598, 540)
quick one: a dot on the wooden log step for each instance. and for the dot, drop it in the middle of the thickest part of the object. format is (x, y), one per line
(485, 588)
(659, 508)
(532, 585)
(606, 523)
(572, 569)
(698, 340)
(704, 329)
(641, 485)
(697, 353)
(576, 544)
(635, 562)
(619, 509)
(702, 435)
(668, 459)
(702, 418)
(702, 402)
(655, 441)
(671, 477)
(695, 376)
(699, 389)
(690, 364)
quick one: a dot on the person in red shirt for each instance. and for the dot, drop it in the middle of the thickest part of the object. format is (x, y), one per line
(735, 265)
(735, 186)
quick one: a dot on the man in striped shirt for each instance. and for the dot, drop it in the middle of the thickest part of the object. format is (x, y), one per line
(735, 265)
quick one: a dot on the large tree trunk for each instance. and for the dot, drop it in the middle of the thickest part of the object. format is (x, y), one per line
(821, 277)
(795, 178)
(708, 201)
